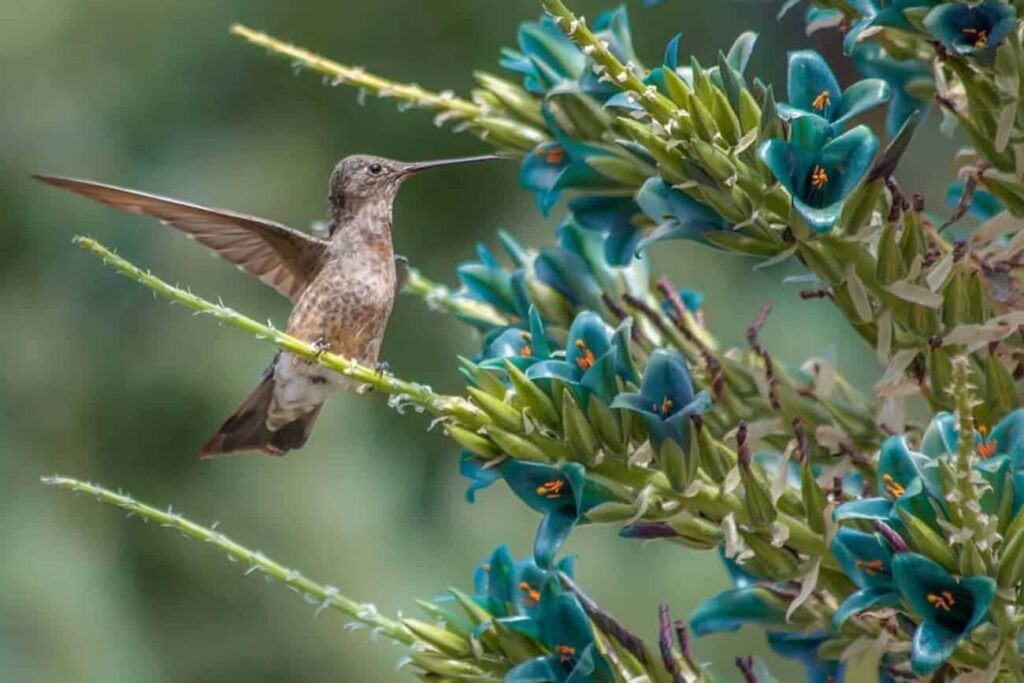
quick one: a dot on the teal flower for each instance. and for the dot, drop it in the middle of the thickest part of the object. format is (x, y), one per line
(480, 477)
(521, 347)
(900, 484)
(969, 28)
(813, 89)
(589, 364)
(666, 400)
(562, 494)
(560, 165)
(512, 590)
(803, 648)
(983, 205)
(731, 609)
(820, 172)
(867, 561)
(566, 631)
(675, 214)
(950, 608)
(547, 59)
(614, 217)
(907, 79)
(486, 280)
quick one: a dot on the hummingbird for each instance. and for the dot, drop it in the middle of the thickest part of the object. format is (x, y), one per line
(342, 287)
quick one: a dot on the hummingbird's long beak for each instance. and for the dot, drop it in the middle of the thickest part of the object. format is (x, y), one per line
(418, 166)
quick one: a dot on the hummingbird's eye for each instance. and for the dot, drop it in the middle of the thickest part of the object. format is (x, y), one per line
(375, 169)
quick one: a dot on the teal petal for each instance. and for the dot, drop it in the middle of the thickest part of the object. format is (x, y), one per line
(599, 380)
(868, 508)
(865, 558)
(480, 477)
(538, 670)
(667, 377)
(633, 402)
(677, 214)
(555, 369)
(589, 338)
(896, 466)
(862, 600)
(861, 97)
(940, 438)
(809, 78)
(1008, 434)
(931, 647)
(552, 533)
(731, 609)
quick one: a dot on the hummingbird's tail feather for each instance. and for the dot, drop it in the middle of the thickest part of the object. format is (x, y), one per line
(246, 429)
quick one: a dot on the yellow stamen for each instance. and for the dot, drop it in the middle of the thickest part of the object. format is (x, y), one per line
(821, 101)
(872, 567)
(532, 594)
(587, 360)
(551, 489)
(893, 487)
(943, 602)
(565, 652)
(818, 177)
(666, 406)
(980, 36)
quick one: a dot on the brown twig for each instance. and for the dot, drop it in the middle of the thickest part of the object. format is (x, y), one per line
(714, 367)
(769, 365)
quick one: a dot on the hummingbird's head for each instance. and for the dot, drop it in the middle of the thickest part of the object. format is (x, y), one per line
(362, 176)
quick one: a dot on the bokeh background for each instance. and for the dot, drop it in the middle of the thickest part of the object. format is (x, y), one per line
(99, 381)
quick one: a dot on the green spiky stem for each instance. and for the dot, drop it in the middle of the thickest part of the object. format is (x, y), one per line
(441, 296)
(418, 394)
(623, 75)
(323, 595)
(358, 77)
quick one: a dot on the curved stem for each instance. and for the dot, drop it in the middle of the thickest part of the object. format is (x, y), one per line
(358, 77)
(401, 390)
(321, 594)
(440, 296)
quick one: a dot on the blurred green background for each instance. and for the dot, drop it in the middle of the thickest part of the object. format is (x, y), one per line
(101, 382)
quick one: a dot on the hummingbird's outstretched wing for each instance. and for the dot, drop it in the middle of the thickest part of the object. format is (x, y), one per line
(284, 258)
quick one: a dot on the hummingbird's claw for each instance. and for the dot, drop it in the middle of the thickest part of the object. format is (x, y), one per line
(382, 368)
(321, 346)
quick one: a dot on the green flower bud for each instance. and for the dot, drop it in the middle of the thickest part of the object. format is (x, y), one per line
(725, 117)
(813, 498)
(473, 442)
(531, 397)
(503, 132)
(781, 564)
(679, 468)
(478, 377)
(971, 561)
(1011, 563)
(606, 426)
(443, 640)
(504, 415)
(512, 97)
(956, 303)
(703, 122)
(926, 541)
(578, 433)
(441, 665)
(518, 447)
(697, 533)
(891, 266)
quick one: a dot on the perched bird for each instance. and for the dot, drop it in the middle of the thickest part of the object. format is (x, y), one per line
(342, 287)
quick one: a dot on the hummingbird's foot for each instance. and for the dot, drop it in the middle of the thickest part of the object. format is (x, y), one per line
(382, 368)
(321, 346)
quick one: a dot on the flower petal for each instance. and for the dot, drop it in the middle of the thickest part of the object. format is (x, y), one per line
(931, 647)
(864, 600)
(811, 85)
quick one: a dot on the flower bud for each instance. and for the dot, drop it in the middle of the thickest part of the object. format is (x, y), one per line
(504, 415)
(606, 426)
(441, 665)
(531, 397)
(679, 468)
(578, 433)
(780, 563)
(925, 540)
(697, 533)
(442, 639)
(891, 266)
(518, 447)
(473, 442)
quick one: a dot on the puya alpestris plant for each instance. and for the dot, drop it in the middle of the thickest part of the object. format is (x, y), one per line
(599, 395)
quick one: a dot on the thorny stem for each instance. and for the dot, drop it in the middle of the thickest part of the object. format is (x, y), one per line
(440, 296)
(623, 75)
(320, 594)
(418, 394)
(358, 77)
